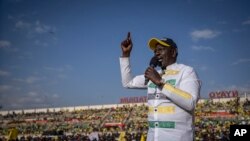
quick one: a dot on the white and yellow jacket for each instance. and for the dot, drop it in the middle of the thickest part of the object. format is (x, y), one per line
(171, 109)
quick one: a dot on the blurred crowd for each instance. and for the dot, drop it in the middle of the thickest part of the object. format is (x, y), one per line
(121, 123)
(213, 119)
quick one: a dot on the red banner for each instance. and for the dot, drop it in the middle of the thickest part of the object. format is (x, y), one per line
(141, 99)
(114, 124)
(220, 114)
(224, 94)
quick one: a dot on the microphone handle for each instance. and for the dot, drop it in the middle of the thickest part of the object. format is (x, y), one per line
(146, 79)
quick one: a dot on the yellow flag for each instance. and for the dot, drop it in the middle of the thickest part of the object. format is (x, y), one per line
(13, 134)
(122, 136)
(142, 137)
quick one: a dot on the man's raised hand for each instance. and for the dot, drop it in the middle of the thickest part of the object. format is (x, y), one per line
(126, 46)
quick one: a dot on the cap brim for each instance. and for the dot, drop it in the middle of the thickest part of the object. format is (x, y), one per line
(154, 41)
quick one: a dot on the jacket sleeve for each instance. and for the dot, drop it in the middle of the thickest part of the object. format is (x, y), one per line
(188, 93)
(128, 81)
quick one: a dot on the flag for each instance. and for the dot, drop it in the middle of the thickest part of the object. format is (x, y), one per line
(13, 134)
(142, 137)
(122, 136)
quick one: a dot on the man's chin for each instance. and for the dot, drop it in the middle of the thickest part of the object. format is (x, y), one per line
(163, 66)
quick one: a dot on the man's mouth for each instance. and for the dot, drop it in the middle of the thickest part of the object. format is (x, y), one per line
(159, 61)
(159, 58)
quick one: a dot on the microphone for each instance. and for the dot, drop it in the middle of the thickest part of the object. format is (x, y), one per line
(153, 63)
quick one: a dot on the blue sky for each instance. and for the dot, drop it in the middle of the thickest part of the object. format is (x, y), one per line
(66, 53)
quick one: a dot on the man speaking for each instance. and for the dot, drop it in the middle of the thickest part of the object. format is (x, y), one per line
(172, 91)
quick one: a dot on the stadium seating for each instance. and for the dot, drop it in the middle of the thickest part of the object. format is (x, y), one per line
(212, 122)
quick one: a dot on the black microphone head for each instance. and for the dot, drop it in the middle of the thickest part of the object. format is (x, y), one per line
(154, 62)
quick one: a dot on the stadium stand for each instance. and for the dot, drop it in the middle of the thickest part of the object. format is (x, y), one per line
(116, 122)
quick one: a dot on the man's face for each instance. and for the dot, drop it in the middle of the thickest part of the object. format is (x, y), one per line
(166, 55)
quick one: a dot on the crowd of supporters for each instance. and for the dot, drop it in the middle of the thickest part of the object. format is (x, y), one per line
(212, 122)
(213, 119)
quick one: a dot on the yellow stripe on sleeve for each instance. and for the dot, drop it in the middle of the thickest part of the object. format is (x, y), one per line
(177, 91)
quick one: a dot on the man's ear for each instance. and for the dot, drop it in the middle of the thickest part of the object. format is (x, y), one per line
(175, 52)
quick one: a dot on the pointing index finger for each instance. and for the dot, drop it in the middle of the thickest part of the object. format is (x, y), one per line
(128, 37)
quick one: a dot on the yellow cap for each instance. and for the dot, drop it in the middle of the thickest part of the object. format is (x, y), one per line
(167, 42)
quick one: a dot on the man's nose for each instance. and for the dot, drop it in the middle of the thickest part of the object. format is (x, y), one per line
(157, 52)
